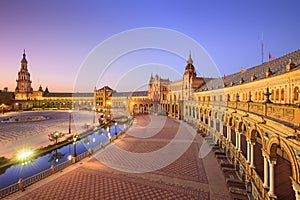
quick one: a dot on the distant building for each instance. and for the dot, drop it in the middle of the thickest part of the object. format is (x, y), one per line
(27, 98)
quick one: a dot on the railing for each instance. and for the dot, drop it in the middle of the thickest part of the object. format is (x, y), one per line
(257, 186)
(30, 180)
(9, 190)
(63, 165)
(286, 113)
(82, 156)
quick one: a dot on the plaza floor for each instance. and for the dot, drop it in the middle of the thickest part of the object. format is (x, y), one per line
(130, 168)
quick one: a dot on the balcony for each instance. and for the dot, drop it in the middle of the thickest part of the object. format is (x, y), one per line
(289, 114)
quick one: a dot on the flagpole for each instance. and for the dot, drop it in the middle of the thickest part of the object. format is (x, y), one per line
(262, 47)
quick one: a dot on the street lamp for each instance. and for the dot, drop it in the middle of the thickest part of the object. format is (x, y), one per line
(17, 105)
(108, 134)
(74, 142)
(94, 113)
(70, 111)
(116, 128)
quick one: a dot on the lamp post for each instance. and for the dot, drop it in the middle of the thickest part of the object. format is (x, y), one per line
(70, 111)
(94, 113)
(116, 128)
(74, 142)
(108, 133)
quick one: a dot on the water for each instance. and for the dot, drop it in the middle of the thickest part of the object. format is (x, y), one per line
(55, 157)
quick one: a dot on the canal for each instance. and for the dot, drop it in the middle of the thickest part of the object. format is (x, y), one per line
(55, 157)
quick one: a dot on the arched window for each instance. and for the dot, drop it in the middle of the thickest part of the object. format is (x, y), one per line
(282, 94)
(277, 95)
(296, 93)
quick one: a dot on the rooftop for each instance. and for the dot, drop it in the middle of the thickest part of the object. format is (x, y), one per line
(277, 67)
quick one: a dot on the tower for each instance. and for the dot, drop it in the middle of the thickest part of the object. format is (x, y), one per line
(188, 78)
(23, 89)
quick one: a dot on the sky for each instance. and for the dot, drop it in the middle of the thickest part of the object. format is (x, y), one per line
(60, 35)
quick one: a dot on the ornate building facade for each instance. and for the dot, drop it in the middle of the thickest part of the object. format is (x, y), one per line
(252, 115)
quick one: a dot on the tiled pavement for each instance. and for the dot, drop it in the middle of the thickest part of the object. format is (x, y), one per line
(189, 177)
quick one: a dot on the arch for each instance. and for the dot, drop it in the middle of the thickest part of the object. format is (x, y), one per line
(241, 126)
(222, 117)
(216, 115)
(272, 145)
(292, 158)
(296, 93)
(282, 94)
(252, 135)
(231, 121)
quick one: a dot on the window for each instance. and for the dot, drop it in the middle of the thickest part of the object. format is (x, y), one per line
(277, 95)
(282, 94)
(296, 93)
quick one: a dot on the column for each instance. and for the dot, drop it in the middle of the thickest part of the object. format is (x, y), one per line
(215, 124)
(248, 151)
(239, 135)
(272, 179)
(229, 133)
(237, 138)
(252, 155)
(266, 172)
(221, 128)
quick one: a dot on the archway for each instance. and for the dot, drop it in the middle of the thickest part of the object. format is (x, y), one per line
(284, 169)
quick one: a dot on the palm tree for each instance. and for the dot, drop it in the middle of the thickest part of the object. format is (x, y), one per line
(53, 137)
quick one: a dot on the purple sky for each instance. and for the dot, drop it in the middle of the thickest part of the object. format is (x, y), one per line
(59, 35)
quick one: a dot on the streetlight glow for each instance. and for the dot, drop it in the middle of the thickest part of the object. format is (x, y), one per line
(25, 154)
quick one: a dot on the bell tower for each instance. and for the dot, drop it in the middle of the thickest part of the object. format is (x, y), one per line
(23, 89)
(188, 78)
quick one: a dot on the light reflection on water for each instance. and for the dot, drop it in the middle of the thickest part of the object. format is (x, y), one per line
(13, 173)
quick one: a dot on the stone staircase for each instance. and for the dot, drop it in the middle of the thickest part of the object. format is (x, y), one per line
(235, 185)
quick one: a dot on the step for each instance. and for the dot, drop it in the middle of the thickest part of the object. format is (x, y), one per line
(238, 191)
(220, 153)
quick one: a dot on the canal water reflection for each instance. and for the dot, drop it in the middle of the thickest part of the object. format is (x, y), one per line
(15, 172)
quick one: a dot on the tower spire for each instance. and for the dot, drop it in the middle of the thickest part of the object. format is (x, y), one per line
(190, 61)
(24, 57)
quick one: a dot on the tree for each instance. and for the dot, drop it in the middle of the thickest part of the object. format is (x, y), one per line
(53, 137)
